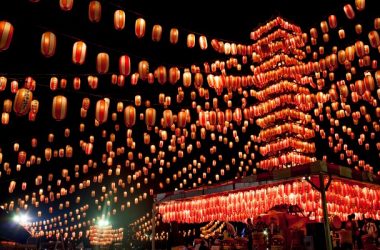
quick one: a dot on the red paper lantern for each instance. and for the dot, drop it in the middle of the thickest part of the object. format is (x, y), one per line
(150, 117)
(119, 19)
(174, 75)
(22, 101)
(102, 63)
(156, 33)
(167, 118)
(66, 5)
(125, 65)
(48, 44)
(6, 34)
(161, 74)
(79, 53)
(129, 116)
(190, 40)
(203, 42)
(143, 69)
(349, 11)
(333, 21)
(59, 107)
(101, 111)
(140, 26)
(174, 35)
(181, 119)
(94, 11)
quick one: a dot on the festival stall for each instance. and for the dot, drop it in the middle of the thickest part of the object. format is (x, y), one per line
(320, 190)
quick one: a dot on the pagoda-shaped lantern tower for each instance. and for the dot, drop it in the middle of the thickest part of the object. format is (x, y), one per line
(282, 82)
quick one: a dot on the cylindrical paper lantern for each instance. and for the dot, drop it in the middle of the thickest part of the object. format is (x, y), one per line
(140, 26)
(156, 33)
(102, 63)
(101, 111)
(22, 101)
(59, 107)
(119, 19)
(129, 116)
(48, 44)
(79, 52)
(6, 34)
(94, 11)
(173, 35)
(125, 65)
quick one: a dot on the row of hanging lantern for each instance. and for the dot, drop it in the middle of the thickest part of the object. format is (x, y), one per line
(355, 90)
(341, 200)
(278, 95)
(162, 76)
(216, 228)
(105, 235)
(143, 227)
(119, 20)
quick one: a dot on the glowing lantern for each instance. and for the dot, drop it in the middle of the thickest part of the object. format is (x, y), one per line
(173, 36)
(174, 75)
(59, 107)
(376, 23)
(360, 4)
(48, 153)
(186, 77)
(6, 34)
(101, 111)
(203, 42)
(48, 44)
(125, 65)
(22, 101)
(161, 74)
(66, 5)
(156, 33)
(167, 118)
(143, 69)
(181, 119)
(119, 19)
(3, 83)
(324, 27)
(94, 11)
(198, 80)
(140, 27)
(102, 63)
(7, 106)
(342, 34)
(190, 40)
(359, 48)
(129, 116)
(332, 21)
(79, 53)
(21, 157)
(349, 11)
(358, 29)
(76, 83)
(53, 83)
(374, 39)
(150, 117)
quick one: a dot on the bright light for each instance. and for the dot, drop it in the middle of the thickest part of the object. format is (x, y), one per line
(103, 223)
(21, 219)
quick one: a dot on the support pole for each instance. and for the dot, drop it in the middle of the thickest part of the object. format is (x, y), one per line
(325, 213)
(154, 226)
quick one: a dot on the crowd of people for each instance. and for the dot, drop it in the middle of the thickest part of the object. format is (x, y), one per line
(358, 234)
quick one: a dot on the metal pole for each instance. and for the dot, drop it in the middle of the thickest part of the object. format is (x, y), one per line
(154, 226)
(325, 213)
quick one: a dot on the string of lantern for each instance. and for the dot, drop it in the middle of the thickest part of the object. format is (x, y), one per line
(342, 200)
(341, 89)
